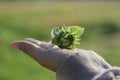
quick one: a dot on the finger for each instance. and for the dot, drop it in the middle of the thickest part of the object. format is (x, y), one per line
(37, 42)
(42, 44)
(25, 46)
(41, 55)
(47, 56)
(35, 51)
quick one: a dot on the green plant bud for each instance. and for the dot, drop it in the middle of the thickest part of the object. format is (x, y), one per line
(66, 37)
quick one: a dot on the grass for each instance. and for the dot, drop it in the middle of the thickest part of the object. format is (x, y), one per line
(19, 20)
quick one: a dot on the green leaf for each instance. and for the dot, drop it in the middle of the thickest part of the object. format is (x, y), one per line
(77, 30)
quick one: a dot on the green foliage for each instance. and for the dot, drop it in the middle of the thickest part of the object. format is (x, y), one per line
(66, 37)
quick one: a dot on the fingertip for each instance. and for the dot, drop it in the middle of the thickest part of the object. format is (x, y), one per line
(14, 45)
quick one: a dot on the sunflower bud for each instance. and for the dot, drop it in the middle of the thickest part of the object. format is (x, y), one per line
(66, 37)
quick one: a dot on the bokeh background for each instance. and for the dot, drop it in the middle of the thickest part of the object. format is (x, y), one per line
(20, 19)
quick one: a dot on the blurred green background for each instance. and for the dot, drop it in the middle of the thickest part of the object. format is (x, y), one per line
(19, 20)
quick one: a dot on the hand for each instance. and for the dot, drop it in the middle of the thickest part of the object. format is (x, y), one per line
(48, 55)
